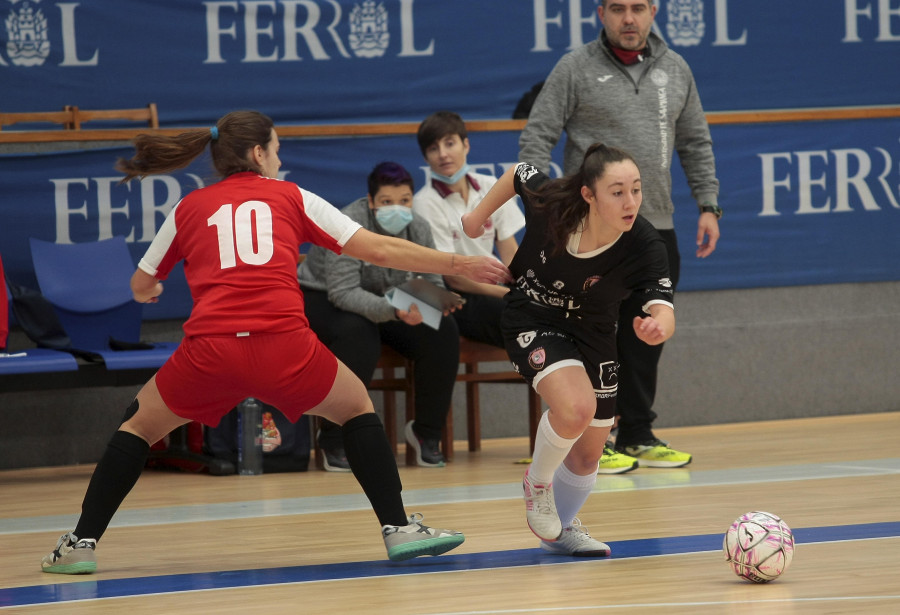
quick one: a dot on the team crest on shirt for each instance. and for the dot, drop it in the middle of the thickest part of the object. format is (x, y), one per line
(685, 25)
(525, 338)
(591, 281)
(526, 172)
(369, 36)
(665, 282)
(659, 77)
(537, 358)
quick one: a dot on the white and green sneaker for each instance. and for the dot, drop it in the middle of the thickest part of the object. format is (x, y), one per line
(71, 556)
(576, 541)
(614, 462)
(656, 454)
(408, 541)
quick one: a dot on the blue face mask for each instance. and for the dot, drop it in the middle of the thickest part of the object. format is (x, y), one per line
(451, 179)
(393, 218)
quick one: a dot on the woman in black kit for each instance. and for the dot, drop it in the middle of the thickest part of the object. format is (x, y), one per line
(585, 249)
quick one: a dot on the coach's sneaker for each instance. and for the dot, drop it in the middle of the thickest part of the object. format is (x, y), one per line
(614, 462)
(576, 541)
(428, 450)
(540, 510)
(656, 454)
(71, 556)
(409, 541)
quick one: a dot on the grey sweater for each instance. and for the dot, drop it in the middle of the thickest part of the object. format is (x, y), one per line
(593, 97)
(357, 286)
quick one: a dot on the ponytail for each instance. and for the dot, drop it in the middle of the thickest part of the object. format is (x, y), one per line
(230, 140)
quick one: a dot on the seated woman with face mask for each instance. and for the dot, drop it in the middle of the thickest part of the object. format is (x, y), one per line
(347, 308)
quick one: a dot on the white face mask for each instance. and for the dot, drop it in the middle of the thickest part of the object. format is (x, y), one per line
(393, 218)
(451, 179)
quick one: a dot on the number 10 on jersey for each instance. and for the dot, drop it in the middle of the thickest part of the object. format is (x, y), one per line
(239, 237)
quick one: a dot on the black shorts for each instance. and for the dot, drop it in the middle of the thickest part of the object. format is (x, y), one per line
(538, 344)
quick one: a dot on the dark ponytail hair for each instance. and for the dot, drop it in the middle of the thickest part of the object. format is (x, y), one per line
(561, 198)
(234, 135)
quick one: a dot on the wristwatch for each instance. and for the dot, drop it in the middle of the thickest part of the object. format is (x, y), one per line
(711, 209)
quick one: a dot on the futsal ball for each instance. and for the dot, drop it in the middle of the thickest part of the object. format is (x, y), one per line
(759, 546)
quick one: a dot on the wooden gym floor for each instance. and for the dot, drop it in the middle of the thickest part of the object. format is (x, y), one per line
(308, 542)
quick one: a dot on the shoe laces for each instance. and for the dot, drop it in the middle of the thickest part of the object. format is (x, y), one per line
(539, 497)
(608, 449)
(578, 528)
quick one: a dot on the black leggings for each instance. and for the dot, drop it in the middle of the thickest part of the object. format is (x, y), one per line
(356, 341)
(638, 363)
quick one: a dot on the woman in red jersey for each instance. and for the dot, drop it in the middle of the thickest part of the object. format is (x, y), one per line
(247, 335)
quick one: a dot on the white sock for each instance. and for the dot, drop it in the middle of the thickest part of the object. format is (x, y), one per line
(570, 492)
(550, 449)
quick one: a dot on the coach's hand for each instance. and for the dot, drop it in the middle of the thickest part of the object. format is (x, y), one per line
(707, 234)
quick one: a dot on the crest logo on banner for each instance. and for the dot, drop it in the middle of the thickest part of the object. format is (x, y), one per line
(369, 36)
(685, 25)
(26, 31)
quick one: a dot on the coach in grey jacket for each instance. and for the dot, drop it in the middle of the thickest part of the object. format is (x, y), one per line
(346, 307)
(629, 90)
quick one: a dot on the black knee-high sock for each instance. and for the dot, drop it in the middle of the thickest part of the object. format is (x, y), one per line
(373, 463)
(115, 475)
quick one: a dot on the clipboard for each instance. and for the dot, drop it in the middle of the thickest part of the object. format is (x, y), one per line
(432, 300)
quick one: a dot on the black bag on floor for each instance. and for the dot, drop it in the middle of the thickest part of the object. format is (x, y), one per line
(286, 445)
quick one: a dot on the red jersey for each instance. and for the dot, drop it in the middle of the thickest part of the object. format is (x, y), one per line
(239, 239)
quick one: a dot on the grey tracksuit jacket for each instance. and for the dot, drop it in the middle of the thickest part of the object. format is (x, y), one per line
(594, 97)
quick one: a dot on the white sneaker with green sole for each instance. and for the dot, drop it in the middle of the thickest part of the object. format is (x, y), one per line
(408, 541)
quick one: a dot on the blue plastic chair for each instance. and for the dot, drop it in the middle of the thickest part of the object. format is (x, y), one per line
(89, 287)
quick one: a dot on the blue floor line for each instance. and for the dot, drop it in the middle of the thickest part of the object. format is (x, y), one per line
(646, 547)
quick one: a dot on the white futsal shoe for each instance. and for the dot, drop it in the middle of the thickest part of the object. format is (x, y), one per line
(576, 541)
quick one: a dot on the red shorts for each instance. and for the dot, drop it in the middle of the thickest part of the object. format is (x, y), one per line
(207, 376)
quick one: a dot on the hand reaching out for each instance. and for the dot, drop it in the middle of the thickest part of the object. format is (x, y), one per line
(485, 269)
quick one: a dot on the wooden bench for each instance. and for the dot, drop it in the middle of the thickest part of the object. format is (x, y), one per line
(471, 355)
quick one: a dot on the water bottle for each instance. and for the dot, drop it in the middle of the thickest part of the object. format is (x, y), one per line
(250, 437)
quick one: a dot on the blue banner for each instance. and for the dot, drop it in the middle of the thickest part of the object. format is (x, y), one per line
(805, 203)
(313, 61)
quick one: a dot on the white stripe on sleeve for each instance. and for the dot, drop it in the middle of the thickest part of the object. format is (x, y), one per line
(329, 218)
(160, 245)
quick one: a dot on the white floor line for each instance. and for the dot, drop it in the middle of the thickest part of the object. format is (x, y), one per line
(646, 479)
